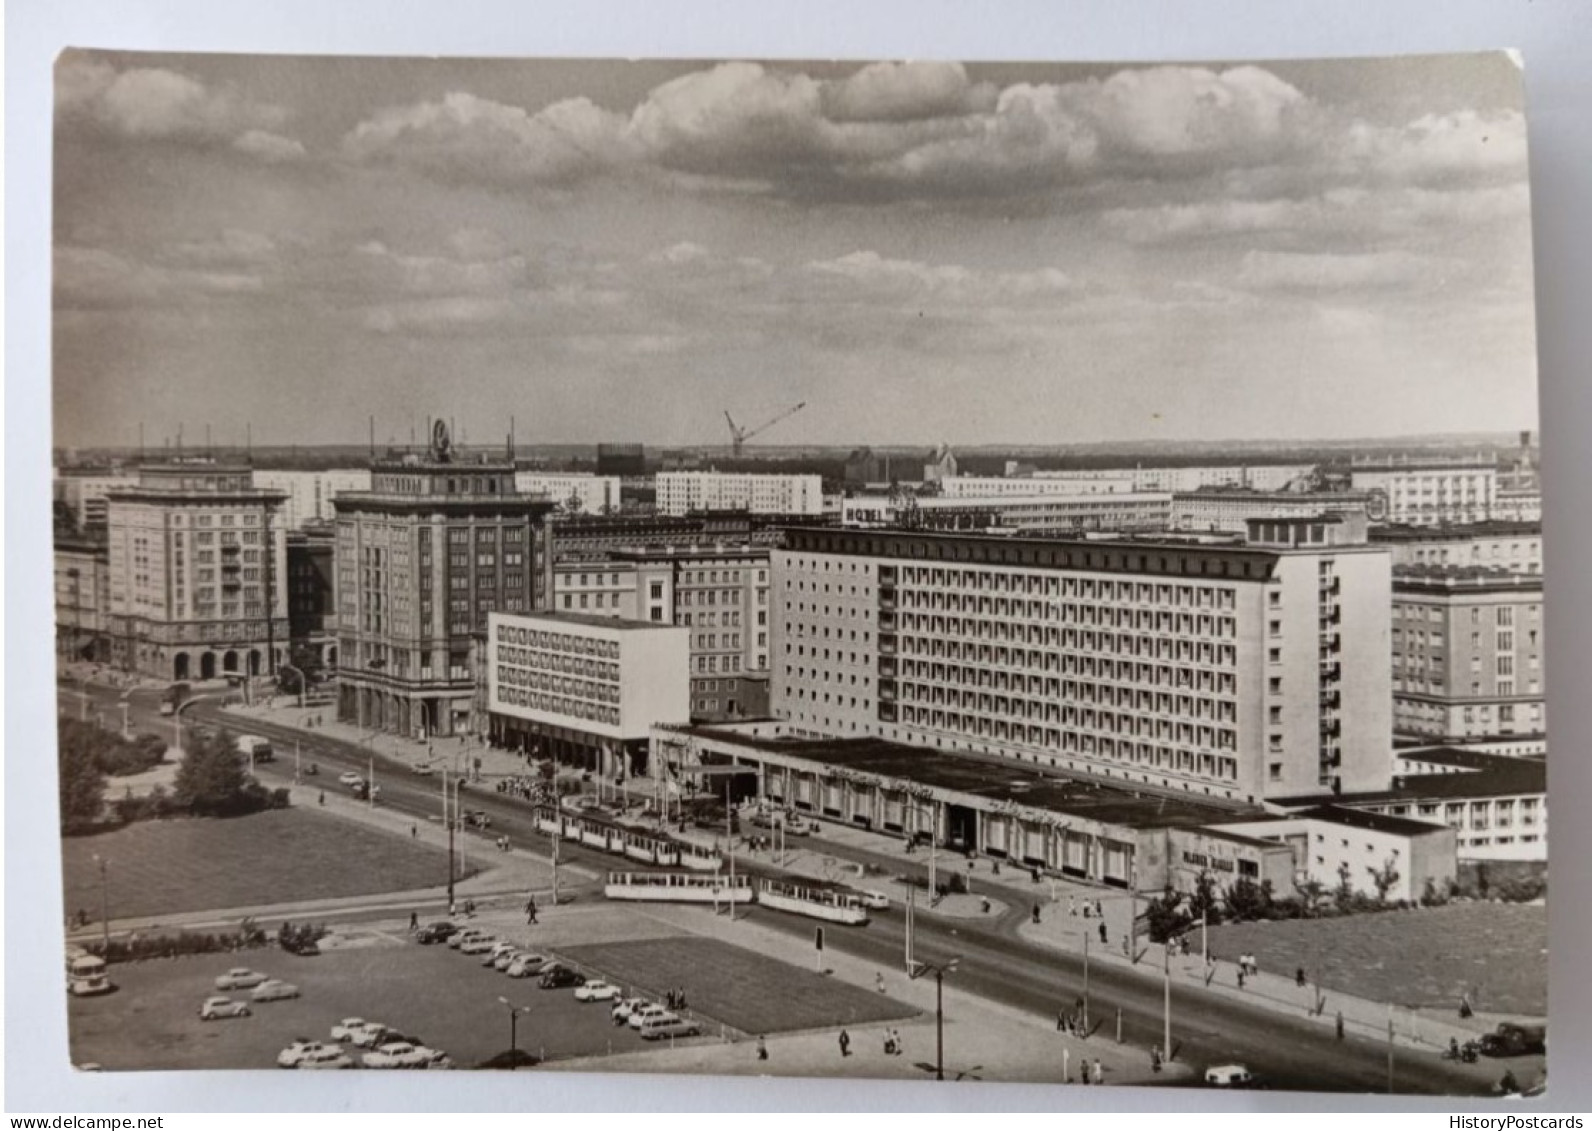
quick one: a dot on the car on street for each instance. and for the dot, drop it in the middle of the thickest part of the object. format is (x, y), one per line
(423, 769)
(349, 1027)
(1229, 1076)
(433, 933)
(1510, 1039)
(274, 990)
(527, 966)
(295, 1053)
(477, 818)
(481, 944)
(874, 900)
(397, 1054)
(351, 780)
(240, 978)
(219, 1008)
(329, 1057)
(662, 1028)
(560, 978)
(464, 936)
(648, 1012)
(595, 989)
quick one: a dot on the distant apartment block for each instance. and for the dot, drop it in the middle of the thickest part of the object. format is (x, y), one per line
(1428, 494)
(685, 492)
(82, 598)
(85, 491)
(573, 494)
(1228, 510)
(1236, 673)
(1467, 653)
(310, 493)
(1514, 546)
(594, 537)
(1053, 513)
(1256, 477)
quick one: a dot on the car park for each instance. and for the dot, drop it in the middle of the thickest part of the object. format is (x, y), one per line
(1229, 1076)
(240, 978)
(219, 1008)
(374, 1033)
(274, 990)
(397, 1054)
(595, 989)
(663, 1028)
(328, 1057)
(500, 949)
(295, 1053)
(559, 978)
(507, 959)
(625, 1006)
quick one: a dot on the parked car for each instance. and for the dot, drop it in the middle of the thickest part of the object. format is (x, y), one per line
(1510, 1039)
(422, 769)
(274, 990)
(460, 938)
(511, 1058)
(374, 1034)
(559, 978)
(295, 1053)
(874, 900)
(481, 944)
(648, 1012)
(433, 933)
(624, 1007)
(477, 818)
(218, 1008)
(499, 949)
(351, 780)
(349, 1027)
(507, 959)
(329, 1057)
(240, 978)
(596, 989)
(662, 1028)
(1229, 1076)
(527, 966)
(397, 1054)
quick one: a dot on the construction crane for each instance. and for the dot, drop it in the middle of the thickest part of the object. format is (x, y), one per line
(739, 435)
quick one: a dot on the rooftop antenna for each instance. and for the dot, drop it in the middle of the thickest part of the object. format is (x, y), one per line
(373, 436)
(209, 451)
(248, 442)
(179, 439)
(141, 441)
(511, 437)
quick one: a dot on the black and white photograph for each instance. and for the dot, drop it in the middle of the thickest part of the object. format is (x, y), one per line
(927, 571)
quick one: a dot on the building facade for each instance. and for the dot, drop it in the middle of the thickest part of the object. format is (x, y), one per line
(422, 559)
(310, 493)
(589, 537)
(571, 493)
(689, 492)
(312, 592)
(1233, 673)
(1227, 510)
(1468, 654)
(1428, 494)
(584, 689)
(82, 599)
(1103, 512)
(197, 557)
(1512, 546)
(86, 493)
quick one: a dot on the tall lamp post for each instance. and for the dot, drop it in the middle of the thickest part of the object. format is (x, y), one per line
(514, 1022)
(105, 904)
(939, 971)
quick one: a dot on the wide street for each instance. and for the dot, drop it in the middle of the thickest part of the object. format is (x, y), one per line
(1207, 1028)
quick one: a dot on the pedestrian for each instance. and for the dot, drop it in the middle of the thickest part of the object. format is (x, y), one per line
(845, 1044)
(1340, 1025)
(762, 1049)
(984, 903)
(1036, 914)
(414, 831)
(1099, 1072)
(1299, 977)
(453, 909)
(1465, 1010)
(1254, 967)
(1240, 977)
(414, 921)
(1155, 1059)
(322, 798)
(1088, 912)
(1508, 1085)
(1061, 1020)
(1102, 934)
(895, 1039)
(878, 982)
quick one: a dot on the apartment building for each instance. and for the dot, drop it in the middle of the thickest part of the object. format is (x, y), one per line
(1055, 513)
(310, 493)
(1179, 480)
(1512, 546)
(1227, 510)
(197, 558)
(1428, 494)
(686, 492)
(1468, 654)
(1218, 670)
(572, 493)
(82, 598)
(85, 491)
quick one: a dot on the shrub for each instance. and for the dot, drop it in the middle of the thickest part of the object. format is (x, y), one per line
(137, 948)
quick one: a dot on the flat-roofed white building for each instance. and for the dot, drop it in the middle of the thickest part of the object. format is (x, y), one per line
(1512, 546)
(682, 492)
(1227, 510)
(574, 493)
(310, 493)
(1234, 673)
(1255, 477)
(1054, 513)
(584, 689)
(1426, 494)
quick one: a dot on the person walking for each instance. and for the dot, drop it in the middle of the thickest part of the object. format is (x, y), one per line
(1299, 977)
(1340, 1025)
(845, 1044)
(414, 921)
(1098, 1072)
(1061, 1020)
(1036, 914)
(762, 1049)
(1240, 977)
(414, 831)
(878, 982)
(530, 912)
(1102, 934)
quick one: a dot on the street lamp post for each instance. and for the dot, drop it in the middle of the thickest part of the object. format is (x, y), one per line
(514, 1022)
(105, 904)
(939, 971)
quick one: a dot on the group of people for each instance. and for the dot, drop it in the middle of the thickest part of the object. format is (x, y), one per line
(1090, 909)
(529, 789)
(1091, 1072)
(502, 843)
(675, 999)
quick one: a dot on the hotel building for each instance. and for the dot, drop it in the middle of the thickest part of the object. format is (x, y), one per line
(1234, 673)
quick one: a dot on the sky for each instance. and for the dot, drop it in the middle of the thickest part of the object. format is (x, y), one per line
(922, 252)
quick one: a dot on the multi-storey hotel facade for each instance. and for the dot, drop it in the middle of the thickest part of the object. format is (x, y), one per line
(1222, 671)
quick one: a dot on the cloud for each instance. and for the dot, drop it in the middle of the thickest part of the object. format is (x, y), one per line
(93, 278)
(464, 138)
(379, 269)
(902, 276)
(1315, 272)
(159, 104)
(234, 247)
(904, 92)
(453, 315)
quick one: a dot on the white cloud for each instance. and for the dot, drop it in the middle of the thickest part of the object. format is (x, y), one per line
(903, 276)
(457, 314)
(269, 146)
(1300, 271)
(900, 92)
(93, 277)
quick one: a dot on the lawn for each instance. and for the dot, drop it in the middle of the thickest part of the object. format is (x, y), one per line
(199, 864)
(738, 987)
(1424, 958)
(447, 999)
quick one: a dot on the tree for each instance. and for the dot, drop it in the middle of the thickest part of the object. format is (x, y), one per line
(82, 782)
(1247, 900)
(1311, 892)
(1165, 918)
(1203, 903)
(211, 781)
(1343, 895)
(1385, 878)
(572, 505)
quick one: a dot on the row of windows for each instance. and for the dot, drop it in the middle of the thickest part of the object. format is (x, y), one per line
(558, 662)
(558, 705)
(509, 676)
(557, 641)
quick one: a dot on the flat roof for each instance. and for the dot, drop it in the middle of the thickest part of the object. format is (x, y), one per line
(1466, 758)
(1374, 822)
(589, 620)
(1524, 776)
(994, 780)
(1453, 532)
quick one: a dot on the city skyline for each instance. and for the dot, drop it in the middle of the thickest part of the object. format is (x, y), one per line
(1012, 254)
